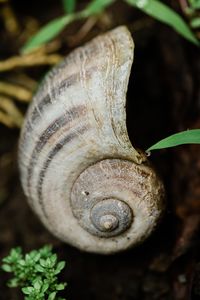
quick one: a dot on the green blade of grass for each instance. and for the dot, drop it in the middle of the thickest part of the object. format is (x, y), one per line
(165, 14)
(47, 33)
(53, 28)
(195, 23)
(177, 139)
(69, 6)
(97, 6)
(195, 4)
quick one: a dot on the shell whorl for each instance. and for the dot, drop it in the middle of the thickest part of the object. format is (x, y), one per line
(81, 175)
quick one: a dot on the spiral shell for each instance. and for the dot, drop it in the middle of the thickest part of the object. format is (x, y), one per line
(82, 176)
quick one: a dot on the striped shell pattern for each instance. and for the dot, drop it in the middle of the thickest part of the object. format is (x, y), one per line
(79, 171)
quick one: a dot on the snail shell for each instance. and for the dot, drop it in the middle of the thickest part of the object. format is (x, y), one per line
(81, 174)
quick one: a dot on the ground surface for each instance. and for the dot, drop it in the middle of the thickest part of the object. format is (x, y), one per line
(163, 98)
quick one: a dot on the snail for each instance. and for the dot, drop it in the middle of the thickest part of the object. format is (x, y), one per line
(79, 170)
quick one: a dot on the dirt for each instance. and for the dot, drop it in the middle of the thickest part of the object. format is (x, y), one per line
(163, 98)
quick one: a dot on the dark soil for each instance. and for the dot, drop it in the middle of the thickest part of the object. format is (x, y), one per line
(163, 98)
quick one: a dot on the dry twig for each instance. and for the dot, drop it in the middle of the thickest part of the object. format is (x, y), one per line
(9, 113)
(31, 60)
(15, 91)
(10, 21)
(76, 39)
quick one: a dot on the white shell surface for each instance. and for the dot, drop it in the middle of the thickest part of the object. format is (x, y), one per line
(77, 118)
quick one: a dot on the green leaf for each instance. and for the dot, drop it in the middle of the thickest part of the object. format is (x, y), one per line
(32, 254)
(195, 23)
(27, 258)
(69, 6)
(43, 262)
(36, 257)
(52, 296)
(39, 268)
(14, 282)
(45, 287)
(37, 284)
(59, 267)
(15, 255)
(27, 290)
(165, 14)
(181, 138)
(53, 260)
(48, 262)
(97, 6)
(7, 268)
(22, 262)
(16, 251)
(47, 33)
(195, 3)
(45, 251)
(60, 286)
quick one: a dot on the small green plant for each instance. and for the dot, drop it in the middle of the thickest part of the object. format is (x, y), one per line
(35, 272)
